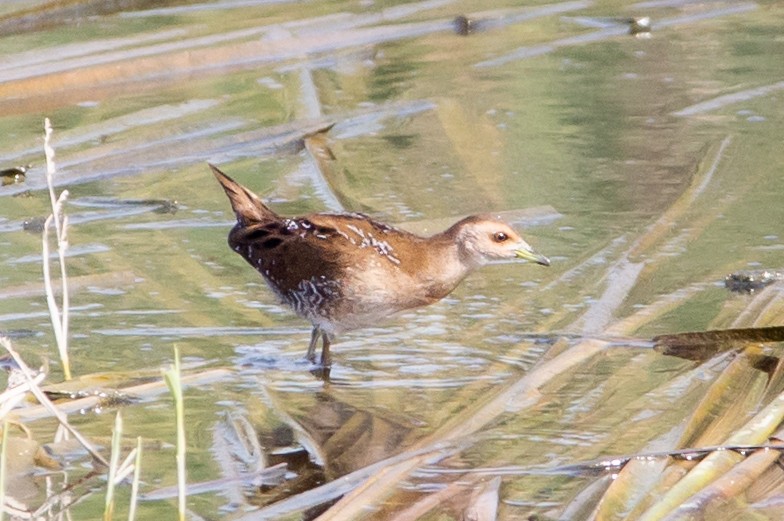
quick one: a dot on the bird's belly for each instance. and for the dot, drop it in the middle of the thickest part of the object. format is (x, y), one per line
(356, 297)
(335, 306)
(374, 299)
(312, 298)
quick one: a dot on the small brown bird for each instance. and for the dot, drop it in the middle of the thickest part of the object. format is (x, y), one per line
(347, 271)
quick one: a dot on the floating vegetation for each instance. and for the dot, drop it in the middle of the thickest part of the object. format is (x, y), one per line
(702, 345)
(750, 281)
(15, 175)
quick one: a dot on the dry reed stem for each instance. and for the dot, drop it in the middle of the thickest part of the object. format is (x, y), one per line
(431, 501)
(732, 483)
(59, 316)
(755, 432)
(701, 429)
(276, 473)
(738, 387)
(483, 505)
(705, 411)
(47, 403)
(10, 398)
(146, 391)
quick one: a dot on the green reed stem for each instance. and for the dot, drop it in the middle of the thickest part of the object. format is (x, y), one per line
(173, 381)
(135, 484)
(114, 461)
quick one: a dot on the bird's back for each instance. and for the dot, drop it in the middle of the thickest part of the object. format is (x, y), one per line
(341, 271)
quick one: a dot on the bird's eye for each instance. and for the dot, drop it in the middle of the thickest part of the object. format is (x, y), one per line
(500, 236)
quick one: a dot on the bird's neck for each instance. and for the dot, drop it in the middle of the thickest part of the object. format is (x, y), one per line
(443, 266)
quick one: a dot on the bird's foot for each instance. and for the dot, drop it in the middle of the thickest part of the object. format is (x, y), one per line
(321, 372)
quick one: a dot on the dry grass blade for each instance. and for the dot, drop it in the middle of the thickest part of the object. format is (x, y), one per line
(728, 99)
(376, 485)
(143, 391)
(10, 398)
(483, 505)
(743, 383)
(271, 474)
(766, 309)
(731, 484)
(58, 322)
(725, 404)
(689, 454)
(756, 431)
(47, 403)
(431, 501)
(624, 275)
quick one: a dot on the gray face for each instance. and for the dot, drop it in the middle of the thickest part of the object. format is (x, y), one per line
(483, 241)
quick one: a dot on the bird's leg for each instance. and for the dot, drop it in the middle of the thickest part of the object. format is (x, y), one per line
(326, 360)
(323, 369)
(314, 336)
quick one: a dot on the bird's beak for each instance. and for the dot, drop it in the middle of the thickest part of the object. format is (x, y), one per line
(530, 255)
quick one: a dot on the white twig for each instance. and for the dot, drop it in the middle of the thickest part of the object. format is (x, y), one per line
(46, 402)
(59, 316)
(135, 482)
(11, 397)
(114, 462)
(173, 379)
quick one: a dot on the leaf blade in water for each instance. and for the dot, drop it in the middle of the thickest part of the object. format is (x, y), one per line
(701, 345)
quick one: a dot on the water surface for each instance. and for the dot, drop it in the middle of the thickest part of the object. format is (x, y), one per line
(553, 108)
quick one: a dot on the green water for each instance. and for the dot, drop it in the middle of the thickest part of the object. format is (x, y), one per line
(428, 126)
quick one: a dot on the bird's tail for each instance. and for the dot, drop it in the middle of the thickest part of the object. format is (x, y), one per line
(247, 205)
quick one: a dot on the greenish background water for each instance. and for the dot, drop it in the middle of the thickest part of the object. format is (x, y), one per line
(596, 136)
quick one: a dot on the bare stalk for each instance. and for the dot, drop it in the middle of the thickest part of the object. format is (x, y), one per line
(46, 402)
(59, 315)
(114, 461)
(172, 377)
(135, 483)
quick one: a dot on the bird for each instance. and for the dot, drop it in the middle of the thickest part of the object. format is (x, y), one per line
(345, 271)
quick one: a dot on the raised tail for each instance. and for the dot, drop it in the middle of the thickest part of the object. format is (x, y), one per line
(247, 205)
